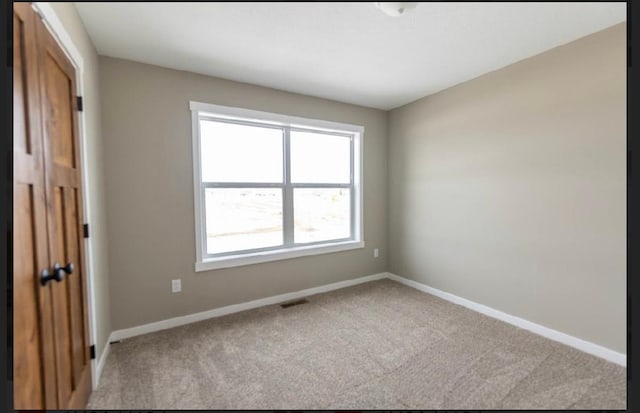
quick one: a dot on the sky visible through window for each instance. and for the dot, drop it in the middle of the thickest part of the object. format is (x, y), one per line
(252, 218)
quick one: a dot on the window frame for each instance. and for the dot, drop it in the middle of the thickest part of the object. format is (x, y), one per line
(289, 249)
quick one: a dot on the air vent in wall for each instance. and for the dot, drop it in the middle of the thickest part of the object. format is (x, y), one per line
(292, 303)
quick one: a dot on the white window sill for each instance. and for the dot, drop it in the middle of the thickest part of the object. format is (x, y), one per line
(275, 255)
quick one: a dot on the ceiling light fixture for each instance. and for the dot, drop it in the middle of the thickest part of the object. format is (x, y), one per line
(396, 9)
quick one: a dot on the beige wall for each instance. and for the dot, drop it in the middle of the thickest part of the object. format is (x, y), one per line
(147, 130)
(96, 196)
(510, 189)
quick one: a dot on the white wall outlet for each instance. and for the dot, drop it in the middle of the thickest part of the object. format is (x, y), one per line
(375, 253)
(176, 286)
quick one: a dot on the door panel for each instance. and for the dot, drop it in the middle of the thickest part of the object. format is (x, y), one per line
(63, 186)
(33, 352)
(61, 300)
(59, 121)
(51, 338)
(27, 366)
(79, 352)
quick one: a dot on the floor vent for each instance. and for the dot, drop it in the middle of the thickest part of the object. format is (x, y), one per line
(296, 302)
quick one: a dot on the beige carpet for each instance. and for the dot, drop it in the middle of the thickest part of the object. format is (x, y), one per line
(379, 345)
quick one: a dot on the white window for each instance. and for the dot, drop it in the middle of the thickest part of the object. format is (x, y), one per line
(271, 186)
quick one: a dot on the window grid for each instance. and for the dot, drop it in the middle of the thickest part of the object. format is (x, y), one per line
(286, 185)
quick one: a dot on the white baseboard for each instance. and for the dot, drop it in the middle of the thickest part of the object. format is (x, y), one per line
(97, 365)
(217, 312)
(586, 346)
(580, 344)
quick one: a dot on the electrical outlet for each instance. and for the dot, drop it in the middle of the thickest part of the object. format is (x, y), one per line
(375, 253)
(176, 286)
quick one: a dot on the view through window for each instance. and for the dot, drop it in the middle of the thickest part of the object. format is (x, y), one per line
(268, 185)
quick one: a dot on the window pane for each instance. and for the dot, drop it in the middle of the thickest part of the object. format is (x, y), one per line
(241, 219)
(320, 158)
(321, 214)
(240, 153)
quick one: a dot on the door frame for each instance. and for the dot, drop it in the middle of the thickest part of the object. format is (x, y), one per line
(62, 37)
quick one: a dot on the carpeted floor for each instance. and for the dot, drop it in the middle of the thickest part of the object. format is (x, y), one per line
(379, 345)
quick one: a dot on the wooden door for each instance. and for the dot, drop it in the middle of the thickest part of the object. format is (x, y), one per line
(65, 219)
(63, 323)
(33, 356)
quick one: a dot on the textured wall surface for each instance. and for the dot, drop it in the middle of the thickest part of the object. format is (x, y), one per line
(510, 189)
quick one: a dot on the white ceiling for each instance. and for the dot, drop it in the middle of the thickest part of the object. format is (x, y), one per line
(350, 52)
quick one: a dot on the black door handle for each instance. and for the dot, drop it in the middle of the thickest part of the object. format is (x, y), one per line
(46, 276)
(68, 269)
(57, 274)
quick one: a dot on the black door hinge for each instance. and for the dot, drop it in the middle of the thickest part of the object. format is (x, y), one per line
(85, 230)
(79, 103)
(92, 349)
